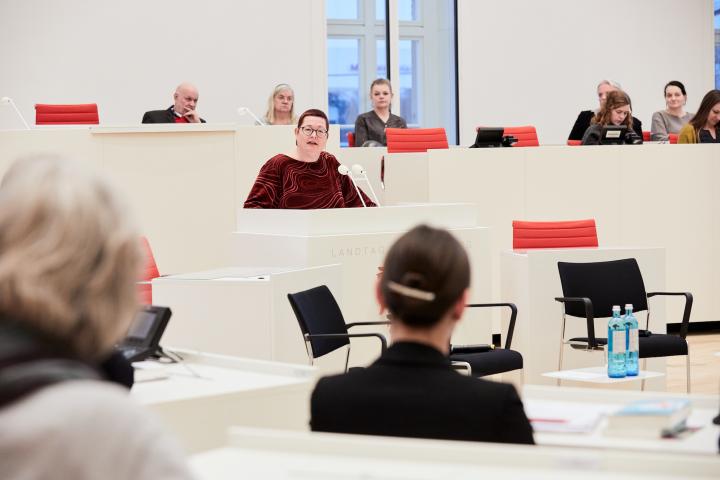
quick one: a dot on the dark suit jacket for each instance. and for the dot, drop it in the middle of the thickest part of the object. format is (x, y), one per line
(411, 391)
(583, 122)
(161, 116)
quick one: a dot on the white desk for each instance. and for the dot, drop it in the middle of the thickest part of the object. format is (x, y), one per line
(240, 311)
(293, 455)
(530, 279)
(599, 375)
(640, 195)
(357, 239)
(206, 394)
(568, 402)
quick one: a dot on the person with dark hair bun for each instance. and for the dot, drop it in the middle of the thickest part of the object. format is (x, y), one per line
(308, 176)
(672, 119)
(412, 390)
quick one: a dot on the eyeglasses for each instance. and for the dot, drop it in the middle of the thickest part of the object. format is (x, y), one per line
(308, 131)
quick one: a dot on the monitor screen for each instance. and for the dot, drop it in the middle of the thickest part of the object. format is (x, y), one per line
(142, 325)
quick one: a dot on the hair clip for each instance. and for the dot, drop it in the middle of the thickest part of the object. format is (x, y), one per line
(411, 292)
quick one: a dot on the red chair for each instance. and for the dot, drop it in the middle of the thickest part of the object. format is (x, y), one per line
(80, 114)
(673, 137)
(574, 233)
(401, 140)
(574, 143)
(526, 136)
(350, 138)
(150, 271)
(647, 136)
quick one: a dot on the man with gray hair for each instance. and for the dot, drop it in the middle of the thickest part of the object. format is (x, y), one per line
(183, 109)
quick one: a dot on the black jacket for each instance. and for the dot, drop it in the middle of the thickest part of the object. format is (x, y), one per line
(161, 116)
(411, 391)
(583, 122)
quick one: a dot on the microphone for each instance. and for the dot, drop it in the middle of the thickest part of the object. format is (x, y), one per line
(9, 101)
(245, 110)
(343, 170)
(358, 170)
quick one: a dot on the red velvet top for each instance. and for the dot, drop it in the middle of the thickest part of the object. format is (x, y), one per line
(284, 182)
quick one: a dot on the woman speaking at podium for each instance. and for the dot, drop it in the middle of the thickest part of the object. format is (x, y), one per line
(307, 178)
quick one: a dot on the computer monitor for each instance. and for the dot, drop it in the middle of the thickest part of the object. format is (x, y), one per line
(489, 137)
(613, 135)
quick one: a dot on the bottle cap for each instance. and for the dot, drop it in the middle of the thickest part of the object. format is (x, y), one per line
(616, 308)
(628, 305)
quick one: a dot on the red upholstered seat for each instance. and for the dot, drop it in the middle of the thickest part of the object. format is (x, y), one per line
(415, 139)
(673, 137)
(351, 139)
(526, 136)
(80, 114)
(647, 136)
(149, 272)
(564, 234)
(574, 143)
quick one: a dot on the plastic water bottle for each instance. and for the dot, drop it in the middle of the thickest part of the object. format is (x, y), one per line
(616, 345)
(632, 343)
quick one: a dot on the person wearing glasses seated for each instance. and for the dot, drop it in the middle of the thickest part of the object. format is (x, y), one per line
(370, 126)
(672, 119)
(281, 106)
(585, 117)
(615, 111)
(412, 389)
(704, 127)
(70, 258)
(307, 177)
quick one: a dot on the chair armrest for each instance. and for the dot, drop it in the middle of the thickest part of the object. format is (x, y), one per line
(355, 324)
(685, 325)
(589, 316)
(379, 336)
(513, 317)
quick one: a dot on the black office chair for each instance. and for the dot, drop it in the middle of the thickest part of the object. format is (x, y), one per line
(483, 360)
(591, 289)
(323, 325)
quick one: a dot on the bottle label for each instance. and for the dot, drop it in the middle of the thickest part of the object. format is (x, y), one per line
(618, 341)
(634, 341)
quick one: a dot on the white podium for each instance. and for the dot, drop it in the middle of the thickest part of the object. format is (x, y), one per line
(239, 311)
(357, 239)
(531, 280)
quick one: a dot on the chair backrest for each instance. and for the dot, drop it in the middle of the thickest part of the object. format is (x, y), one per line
(350, 138)
(317, 312)
(149, 272)
(673, 137)
(564, 234)
(574, 143)
(80, 114)
(647, 136)
(526, 136)
(616, 282)
(415, 139)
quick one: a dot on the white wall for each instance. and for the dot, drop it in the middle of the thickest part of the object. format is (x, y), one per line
(129, 55)
(538, 62)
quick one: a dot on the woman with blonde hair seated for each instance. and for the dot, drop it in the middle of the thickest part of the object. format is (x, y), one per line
(70, 259)
(281, 106)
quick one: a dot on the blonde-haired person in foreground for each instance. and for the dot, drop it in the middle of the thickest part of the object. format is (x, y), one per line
(70, 259)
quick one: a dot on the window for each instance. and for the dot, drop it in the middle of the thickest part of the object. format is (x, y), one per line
(357, 55)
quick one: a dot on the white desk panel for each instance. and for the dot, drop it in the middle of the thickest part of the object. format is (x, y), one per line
(200, 398)
(285, 455)
(240, 311)
(646, 196)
